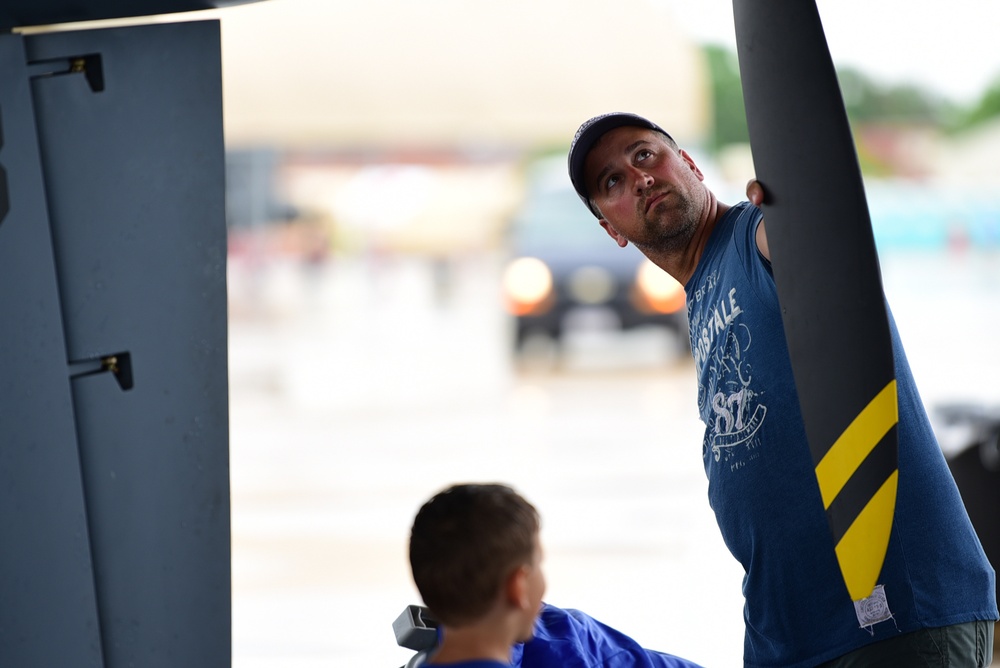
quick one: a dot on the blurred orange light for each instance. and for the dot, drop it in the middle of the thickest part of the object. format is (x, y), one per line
(527, 286)
(657, 291)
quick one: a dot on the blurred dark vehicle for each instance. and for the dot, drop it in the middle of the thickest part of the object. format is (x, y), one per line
(565, 272)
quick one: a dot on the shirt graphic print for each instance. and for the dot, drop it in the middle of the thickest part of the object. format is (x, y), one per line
(726, 393)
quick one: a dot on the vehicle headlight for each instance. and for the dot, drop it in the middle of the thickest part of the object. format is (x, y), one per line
(527, 286)
(657, 291)
(592, 285)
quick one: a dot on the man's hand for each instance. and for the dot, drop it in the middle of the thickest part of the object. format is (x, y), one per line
(755, 193)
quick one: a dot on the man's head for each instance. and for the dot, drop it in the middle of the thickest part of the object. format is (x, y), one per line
(476, 547)
(588, 134)
(641, 186)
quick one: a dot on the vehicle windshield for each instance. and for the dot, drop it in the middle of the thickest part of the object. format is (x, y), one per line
(557, 218)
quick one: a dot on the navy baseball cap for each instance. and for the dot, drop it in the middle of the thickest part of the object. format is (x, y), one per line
(585, 138)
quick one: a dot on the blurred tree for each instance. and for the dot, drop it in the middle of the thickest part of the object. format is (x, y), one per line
(987, 108)
(866, 101)
(869, 102)
(729, 122)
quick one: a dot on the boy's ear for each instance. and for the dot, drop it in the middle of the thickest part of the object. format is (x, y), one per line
(516, 591)
(613, 233)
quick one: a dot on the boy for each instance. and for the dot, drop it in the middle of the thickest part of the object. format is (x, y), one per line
(476, 559)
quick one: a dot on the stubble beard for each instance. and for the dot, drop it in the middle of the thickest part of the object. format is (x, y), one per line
(668, 228)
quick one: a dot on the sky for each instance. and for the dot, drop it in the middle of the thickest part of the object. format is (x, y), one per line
(949, 47)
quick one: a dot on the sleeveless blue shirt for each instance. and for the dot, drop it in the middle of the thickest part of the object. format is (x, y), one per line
(763, 489)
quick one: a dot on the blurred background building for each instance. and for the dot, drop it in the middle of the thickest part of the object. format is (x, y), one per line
(435, 110)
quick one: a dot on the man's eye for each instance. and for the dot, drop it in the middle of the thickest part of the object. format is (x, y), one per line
(642, 154)
(610, 182)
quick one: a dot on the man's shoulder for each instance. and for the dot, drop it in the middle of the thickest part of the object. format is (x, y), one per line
(735, 227)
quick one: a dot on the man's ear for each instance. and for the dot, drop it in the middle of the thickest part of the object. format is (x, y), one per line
(516, 590)
(613, 233)
(690, 162)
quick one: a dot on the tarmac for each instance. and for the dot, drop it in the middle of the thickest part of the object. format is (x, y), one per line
(357, 395)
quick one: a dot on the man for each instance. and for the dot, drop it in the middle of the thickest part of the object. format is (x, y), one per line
(476, 558)
(935, 601)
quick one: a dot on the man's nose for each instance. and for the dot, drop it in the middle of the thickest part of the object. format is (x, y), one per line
(642, 180)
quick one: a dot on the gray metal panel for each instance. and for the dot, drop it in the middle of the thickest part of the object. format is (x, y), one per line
(48, 610)
(135, 178)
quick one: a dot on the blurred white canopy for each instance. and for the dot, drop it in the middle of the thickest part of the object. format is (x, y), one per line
(452, 73)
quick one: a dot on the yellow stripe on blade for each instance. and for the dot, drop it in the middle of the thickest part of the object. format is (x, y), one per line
(862, 549)
(845, 456)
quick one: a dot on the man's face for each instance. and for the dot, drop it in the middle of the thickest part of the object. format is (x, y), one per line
(647, 191)
(535, 584)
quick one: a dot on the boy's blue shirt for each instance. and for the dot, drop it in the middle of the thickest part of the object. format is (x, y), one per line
(469, 664)
(566, 638)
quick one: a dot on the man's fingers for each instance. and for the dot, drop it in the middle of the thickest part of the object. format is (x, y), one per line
(755, 192)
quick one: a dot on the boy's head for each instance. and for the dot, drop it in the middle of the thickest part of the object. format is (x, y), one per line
(476, 547)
